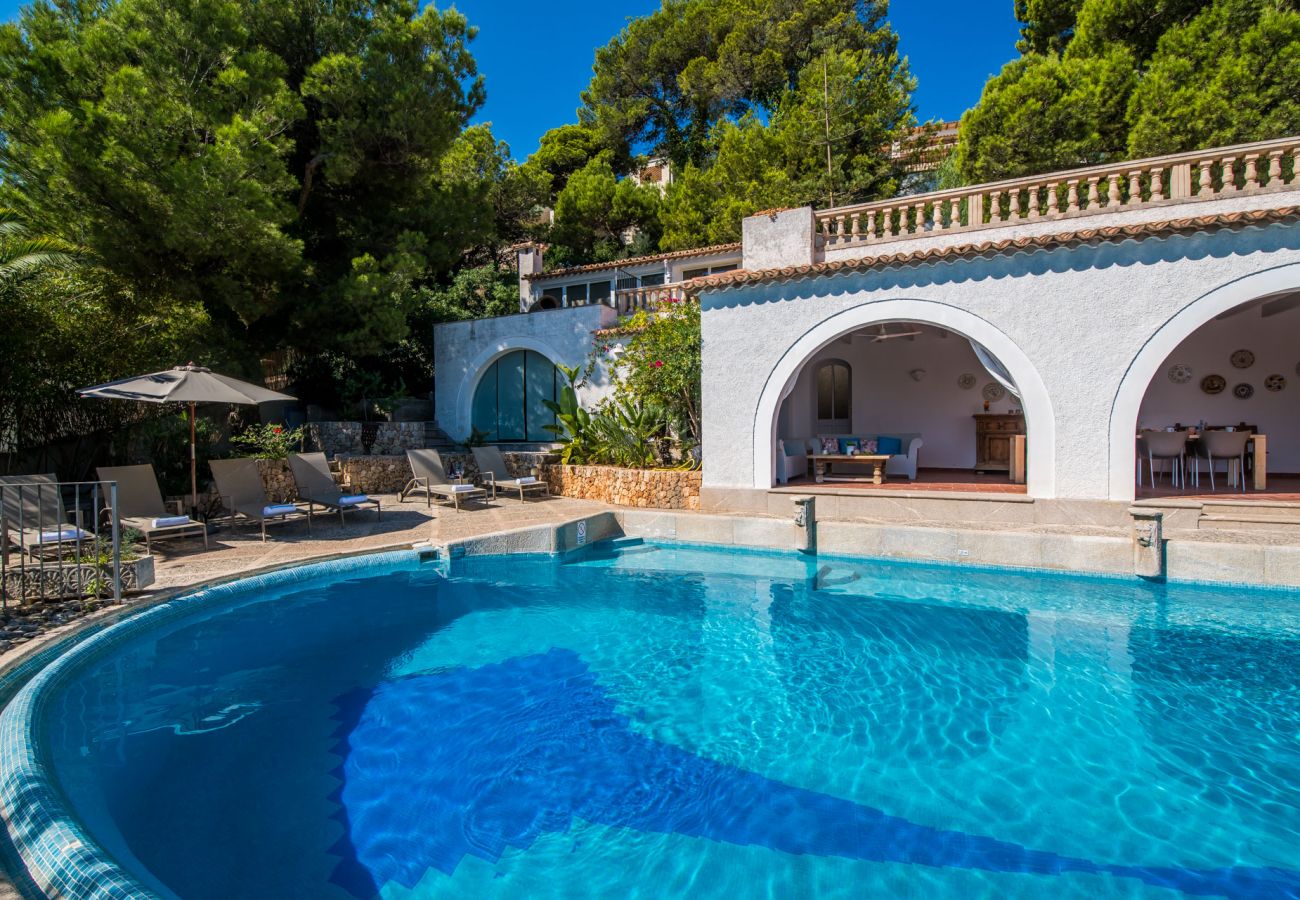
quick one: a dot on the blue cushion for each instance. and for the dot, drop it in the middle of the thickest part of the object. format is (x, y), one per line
(888, 446)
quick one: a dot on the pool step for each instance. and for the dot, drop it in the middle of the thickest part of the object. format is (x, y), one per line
(1226, 515)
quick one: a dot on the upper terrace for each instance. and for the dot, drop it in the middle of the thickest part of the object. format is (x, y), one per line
(1139, 195)
(1144, 194)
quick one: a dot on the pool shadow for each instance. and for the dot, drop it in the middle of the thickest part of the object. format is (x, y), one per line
(477, 761)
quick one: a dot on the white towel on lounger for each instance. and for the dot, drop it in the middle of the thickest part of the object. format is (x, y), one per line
(170, 521)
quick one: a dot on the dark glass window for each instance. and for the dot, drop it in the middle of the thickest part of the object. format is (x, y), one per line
(833, 391)
(509, 402)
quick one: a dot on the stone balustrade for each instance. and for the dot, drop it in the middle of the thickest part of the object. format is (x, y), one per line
(642, 488)
(629, 300)
(1136, 184)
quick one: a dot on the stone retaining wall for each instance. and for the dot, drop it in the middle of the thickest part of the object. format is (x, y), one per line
(345, 438)
(389, 474)
(644, 488)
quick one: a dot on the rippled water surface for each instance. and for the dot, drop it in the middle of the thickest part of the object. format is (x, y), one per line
(651, 721)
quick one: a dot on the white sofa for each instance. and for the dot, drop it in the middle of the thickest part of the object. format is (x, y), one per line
(791, 460)
(903, 463)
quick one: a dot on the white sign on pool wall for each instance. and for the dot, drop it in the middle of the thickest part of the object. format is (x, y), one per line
(582, 532)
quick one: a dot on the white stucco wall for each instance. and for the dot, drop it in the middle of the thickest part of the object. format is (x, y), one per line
(1086, 327)
(886, 398)
(464, 350)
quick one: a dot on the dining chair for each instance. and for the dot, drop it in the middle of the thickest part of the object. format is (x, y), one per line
(1225, 446)
(1170, 446)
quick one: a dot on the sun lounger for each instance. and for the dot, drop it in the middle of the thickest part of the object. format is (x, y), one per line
(316, 485)
(240, 485)
(430, 476)
(493, 472)
(140, 505)
(35, 519)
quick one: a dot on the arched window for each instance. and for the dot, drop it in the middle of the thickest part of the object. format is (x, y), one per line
(509, 400)
(834, 395)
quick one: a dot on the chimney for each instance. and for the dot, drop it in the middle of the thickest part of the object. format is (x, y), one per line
(530, 263)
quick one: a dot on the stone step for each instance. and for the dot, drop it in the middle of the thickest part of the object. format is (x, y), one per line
(435, 438)
(1246, 521)
(1285, 509)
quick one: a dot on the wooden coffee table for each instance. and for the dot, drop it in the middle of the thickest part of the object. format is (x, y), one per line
(822, 464)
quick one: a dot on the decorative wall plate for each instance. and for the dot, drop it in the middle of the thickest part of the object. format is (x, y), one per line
(1242, 359)
(994, 391)
(1180, 374)
(1275, 383)
(966, 382)
(1213, 384)
(1243, 391)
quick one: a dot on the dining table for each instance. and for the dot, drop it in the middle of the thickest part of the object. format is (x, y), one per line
(1257, 447)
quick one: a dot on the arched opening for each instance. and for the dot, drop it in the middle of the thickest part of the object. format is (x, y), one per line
(949, 399)
(510, 398)
(1220, 415)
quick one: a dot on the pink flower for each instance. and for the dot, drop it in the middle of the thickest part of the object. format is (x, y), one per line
(658, 364)
(277, 429)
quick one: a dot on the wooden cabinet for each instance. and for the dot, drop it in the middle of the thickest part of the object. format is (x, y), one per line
(993, 440)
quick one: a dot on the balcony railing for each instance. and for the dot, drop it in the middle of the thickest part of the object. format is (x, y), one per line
(629, 300)
(1137, 184)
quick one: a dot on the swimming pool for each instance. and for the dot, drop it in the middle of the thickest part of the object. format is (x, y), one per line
(655, 720)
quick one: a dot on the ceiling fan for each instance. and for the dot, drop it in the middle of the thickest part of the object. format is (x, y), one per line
(883, 334)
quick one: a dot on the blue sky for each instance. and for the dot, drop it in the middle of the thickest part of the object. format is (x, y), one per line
(537, 56)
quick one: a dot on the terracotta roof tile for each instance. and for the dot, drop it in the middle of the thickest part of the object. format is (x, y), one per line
(1107, 234)
(635, 261)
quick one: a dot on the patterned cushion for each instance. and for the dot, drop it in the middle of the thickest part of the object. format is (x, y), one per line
(830, 444)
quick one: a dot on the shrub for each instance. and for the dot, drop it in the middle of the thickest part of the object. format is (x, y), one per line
(268, 441)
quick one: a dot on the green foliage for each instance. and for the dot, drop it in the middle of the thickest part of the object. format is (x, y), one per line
(163, 441)
(668, 78)
(623, 431)
(278, 163)
(627, 432)
(573, 428)
(1047, 112)
(268, 441)
(661, 366)
(1046, 25)
(1230, 75)
(1108, 79)
(743, 97)
(595, 211)
(563, 151)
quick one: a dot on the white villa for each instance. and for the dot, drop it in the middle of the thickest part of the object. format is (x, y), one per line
(1013, 338)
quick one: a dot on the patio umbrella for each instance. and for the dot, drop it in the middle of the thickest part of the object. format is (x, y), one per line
(185, 384)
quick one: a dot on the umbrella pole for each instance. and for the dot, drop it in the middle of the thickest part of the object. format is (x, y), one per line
(194, 469)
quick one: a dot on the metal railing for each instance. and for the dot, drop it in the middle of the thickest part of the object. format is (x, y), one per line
(59, 540)
(1181, 177)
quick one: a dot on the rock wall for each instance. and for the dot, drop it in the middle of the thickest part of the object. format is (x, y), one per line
(277, 479)
(350, 438)
(389, 474)
(645, 488)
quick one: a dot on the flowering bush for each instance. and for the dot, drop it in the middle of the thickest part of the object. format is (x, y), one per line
(660, 366)
(268, 441)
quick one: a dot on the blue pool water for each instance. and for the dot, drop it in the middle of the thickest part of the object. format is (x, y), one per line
(652, 721)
